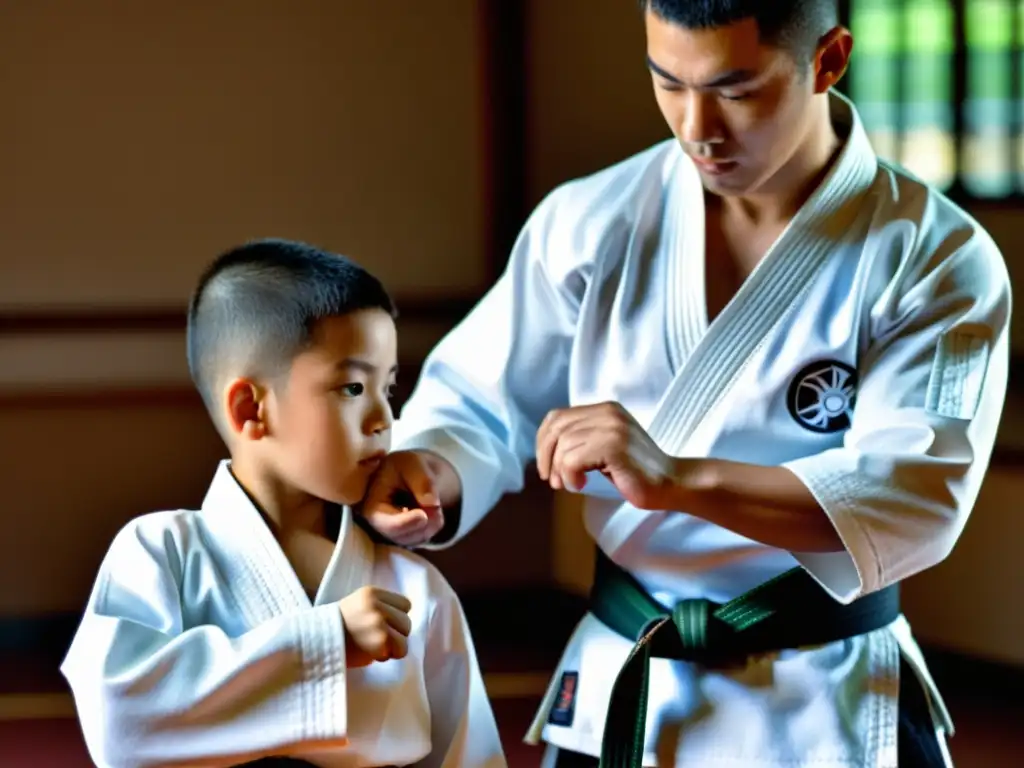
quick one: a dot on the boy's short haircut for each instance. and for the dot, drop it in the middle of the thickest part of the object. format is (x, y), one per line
(256, 306)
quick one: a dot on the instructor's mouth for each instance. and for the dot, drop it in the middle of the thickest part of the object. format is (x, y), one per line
(714, 167)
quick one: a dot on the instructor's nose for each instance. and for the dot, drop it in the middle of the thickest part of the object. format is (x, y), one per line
(700, 123)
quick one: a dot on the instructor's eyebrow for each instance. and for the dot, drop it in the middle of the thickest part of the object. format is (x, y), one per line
(724, 80)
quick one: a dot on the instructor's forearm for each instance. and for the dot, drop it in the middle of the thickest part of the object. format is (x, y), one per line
(766, 504)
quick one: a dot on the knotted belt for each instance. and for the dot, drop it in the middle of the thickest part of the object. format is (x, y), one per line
(788, 611)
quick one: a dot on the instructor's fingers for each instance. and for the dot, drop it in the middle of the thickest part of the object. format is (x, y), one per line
(415, 478)
(383, 486)
(434, 524)
(553, 428)
(547, 440)
(396, 523)
(579, 457)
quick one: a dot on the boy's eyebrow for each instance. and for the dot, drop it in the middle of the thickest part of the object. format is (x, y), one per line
(361, 365)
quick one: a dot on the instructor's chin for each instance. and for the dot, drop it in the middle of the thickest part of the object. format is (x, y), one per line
(735, 184)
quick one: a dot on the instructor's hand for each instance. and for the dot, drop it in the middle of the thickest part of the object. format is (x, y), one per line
(402, 502)
(605, 438)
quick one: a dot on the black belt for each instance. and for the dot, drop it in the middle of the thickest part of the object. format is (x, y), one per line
(788, 611)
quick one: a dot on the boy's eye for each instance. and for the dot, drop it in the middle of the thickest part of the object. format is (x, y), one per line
(351, 390)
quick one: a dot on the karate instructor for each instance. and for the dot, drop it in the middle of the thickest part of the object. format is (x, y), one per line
(773, 365)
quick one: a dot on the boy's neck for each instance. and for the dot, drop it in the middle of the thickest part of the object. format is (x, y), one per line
(284, 508)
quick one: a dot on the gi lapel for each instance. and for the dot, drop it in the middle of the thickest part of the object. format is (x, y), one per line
(768, 295)
(255, 569)
(351, 565)
(687, 306)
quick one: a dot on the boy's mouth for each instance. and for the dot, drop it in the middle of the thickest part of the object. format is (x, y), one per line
(373, 460)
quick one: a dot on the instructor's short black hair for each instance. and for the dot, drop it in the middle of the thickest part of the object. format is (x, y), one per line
(256, 306)
(794, 25)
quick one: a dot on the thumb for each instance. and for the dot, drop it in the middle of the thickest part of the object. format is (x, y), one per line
(382, 488)
(419, 482)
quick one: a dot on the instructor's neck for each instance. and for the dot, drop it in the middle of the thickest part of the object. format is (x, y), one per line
(786, 192)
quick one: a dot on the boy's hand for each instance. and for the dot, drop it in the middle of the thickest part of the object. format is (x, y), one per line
(403, 500)
(376, 626)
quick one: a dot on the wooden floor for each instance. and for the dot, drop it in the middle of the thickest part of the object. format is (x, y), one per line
(38, 729)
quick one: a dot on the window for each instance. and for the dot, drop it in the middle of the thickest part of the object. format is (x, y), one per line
(936, 84)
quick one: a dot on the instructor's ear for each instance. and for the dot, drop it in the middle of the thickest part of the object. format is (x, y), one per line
(245, 406)
(831, 58)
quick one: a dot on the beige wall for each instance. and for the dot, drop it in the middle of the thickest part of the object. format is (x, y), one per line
(138, 140)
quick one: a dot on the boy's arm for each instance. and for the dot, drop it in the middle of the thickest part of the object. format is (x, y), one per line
(463, 732)
(149, 692)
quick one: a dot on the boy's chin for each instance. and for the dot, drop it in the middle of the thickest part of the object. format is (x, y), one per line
(351, 494)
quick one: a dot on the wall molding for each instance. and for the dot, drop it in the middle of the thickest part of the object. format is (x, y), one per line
(61, 319)
(125, 355)
(131, 356)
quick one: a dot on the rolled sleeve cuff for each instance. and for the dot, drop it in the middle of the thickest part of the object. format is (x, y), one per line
(856, 571)
(471, 467)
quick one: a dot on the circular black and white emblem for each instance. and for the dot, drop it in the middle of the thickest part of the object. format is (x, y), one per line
(822, 396)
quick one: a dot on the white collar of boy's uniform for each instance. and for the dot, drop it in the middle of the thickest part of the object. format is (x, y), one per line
(255, 566)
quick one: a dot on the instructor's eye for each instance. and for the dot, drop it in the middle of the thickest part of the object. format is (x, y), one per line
(351, 390)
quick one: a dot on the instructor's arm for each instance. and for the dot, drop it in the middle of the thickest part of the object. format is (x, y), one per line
(765, 504)
(892, 500)
(467, 432)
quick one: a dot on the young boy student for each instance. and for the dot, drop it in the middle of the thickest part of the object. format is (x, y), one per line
(267, 623)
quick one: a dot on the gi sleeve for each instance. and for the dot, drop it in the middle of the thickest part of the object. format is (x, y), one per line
(486, 387)
(149, 692)
(901, 487)
(463, 731)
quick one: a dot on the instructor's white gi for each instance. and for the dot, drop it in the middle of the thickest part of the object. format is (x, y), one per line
(868, 353)
(199, 646)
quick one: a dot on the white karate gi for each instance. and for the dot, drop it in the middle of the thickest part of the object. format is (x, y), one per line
(199, 646)
(868, 353)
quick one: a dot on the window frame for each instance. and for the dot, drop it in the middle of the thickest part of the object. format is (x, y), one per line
(957, 191)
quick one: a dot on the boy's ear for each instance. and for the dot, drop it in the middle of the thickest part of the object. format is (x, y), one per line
(245, 403)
